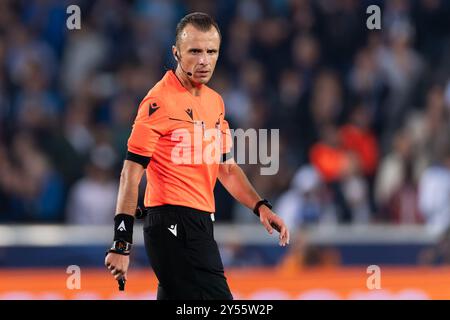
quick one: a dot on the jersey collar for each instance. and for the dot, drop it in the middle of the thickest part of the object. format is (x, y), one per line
(173, 80)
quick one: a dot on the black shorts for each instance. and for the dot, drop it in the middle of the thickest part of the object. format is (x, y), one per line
(184, 255)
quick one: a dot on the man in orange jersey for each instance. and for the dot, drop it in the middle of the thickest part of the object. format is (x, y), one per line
(175, 138)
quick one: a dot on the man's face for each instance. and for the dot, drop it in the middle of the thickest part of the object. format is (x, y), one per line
(199, 52)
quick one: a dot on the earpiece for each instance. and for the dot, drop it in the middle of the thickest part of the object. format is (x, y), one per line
(178, 59)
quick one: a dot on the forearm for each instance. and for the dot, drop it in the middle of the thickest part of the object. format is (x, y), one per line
(237, 184)
(129, 188)
(235, 181)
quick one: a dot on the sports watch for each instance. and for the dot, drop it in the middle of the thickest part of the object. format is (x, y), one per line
(121, 247)
(259, 204)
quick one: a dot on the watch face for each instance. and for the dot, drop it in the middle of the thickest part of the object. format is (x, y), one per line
(121, 245)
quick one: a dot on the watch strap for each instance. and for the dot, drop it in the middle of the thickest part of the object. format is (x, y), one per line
(259, 204)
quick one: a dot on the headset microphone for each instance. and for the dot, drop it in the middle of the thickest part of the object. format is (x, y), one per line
(179, 62)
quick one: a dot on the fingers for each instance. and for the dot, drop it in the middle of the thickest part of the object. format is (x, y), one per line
(279, 225)
(118, 270)
(118, 276)
(288, 236)
(115, 271)
(118, 273)
(284, 236)
(108, 265)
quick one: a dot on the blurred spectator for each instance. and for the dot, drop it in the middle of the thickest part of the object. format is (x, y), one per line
(84, 53)
(34, 189)
(427, 128)
(415, 147)
(303, 15)
(242, 97)
(434, 191)
(328, 155)
(238, 51)
(402, 66)
(77, 126)
(123, 112)
(403, 206)
(355, 191)
(36, 106)
(341, 169)
(391, 172)
(358, 138)
(25, 49)
(92, 200)
(271, 42)
(342, 33)
(323, 109)
(396, 183)
(366, 83)
(307, 202)
(306, 58)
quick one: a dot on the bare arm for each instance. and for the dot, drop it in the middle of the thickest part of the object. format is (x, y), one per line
(130, 178)
(236, 182)
(127, 198)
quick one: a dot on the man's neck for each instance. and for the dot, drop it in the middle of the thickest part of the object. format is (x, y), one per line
(187, 83)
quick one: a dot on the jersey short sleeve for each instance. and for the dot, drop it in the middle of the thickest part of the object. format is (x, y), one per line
(150, 124)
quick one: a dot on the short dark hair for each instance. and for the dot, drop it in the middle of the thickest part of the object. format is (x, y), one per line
(201, 21)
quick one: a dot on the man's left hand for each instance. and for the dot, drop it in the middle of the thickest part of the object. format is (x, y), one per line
(271, 221)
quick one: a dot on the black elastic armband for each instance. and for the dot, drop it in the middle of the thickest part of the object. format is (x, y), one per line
(142, 160)
(226, 156)
(123, 227)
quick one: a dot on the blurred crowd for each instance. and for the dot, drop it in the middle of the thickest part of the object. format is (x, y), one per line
(364, 115)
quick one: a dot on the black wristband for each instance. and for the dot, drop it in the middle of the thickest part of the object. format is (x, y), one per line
(259, 204)
(123, 227)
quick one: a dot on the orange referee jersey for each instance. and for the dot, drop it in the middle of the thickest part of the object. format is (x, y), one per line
(185, 136)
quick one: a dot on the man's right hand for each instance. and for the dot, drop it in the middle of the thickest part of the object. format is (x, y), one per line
(118, 264)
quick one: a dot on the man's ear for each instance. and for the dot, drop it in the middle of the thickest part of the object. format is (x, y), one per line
(175, 52)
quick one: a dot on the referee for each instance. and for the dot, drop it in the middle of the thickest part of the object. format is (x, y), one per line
(179, 199)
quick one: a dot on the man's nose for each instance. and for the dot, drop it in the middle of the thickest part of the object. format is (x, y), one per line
(204, 59)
